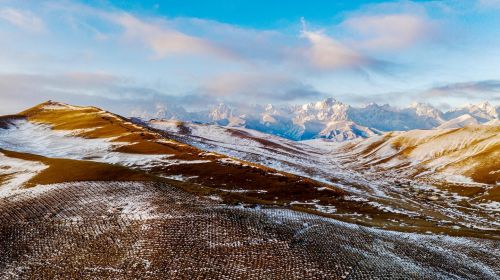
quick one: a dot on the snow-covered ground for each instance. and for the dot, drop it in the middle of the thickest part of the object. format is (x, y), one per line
(335, 163)
(150, 225)
(40, 139)
(321, 160)
(330, 118)
(17, 172)
(441, 152)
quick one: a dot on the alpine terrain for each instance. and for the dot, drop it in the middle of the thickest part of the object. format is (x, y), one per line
(86, 193)
(331, 119)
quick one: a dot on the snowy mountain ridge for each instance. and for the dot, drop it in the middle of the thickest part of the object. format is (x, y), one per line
(332, 119)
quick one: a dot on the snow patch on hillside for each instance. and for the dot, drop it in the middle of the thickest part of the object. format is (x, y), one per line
(61, 106)
(458, 122)
(40, 139)
(17, 172)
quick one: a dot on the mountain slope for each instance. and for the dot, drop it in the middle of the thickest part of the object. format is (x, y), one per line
(325, 119)
(425, 201)
(329, 118)
(86, 194)
(132, 230)
(482, 112)
(387, 118)
(58, 130)
(458, 122)
(472, 151)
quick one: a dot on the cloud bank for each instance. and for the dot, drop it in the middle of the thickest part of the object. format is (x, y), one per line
(390, 31)
(105, 56)
(22, 19)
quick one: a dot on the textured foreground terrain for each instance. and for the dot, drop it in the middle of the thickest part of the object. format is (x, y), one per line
(86, 194)
(412, 194)
(129, 230)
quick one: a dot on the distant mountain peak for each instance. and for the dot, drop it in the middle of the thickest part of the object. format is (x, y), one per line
(220, 112)
(421, 105)
(330, 118)
(483, 112)
(377, 106)
(487, 107)
(427, 110)
(326, 103)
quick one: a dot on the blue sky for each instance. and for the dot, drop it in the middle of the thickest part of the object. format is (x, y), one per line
(126, 56)
(247, 13)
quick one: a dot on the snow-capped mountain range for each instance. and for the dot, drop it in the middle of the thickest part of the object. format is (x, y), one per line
(331, 119)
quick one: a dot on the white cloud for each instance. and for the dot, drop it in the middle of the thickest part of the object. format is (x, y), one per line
(119, 94)
(22, 19)
(343, 58)
(489, 3)
(487, 89)
(327, 53)
(390, 31)
(165, 41)
(257, 87)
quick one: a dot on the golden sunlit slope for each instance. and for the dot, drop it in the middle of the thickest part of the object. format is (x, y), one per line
(238, 179)
(89, 144)
(92, 122)
(472, 151)
(55, 170)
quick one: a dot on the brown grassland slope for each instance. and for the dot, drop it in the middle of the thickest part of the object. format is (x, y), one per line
(67, 170)
(472, 151)
(233, 181)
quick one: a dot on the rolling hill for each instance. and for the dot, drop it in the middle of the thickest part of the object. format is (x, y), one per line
(471, 153)
(85, 193)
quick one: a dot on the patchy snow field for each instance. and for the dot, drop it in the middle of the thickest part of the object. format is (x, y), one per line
(40, 139)
(16, 172)
(126, 230)
(336, 164)
(445, 153)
